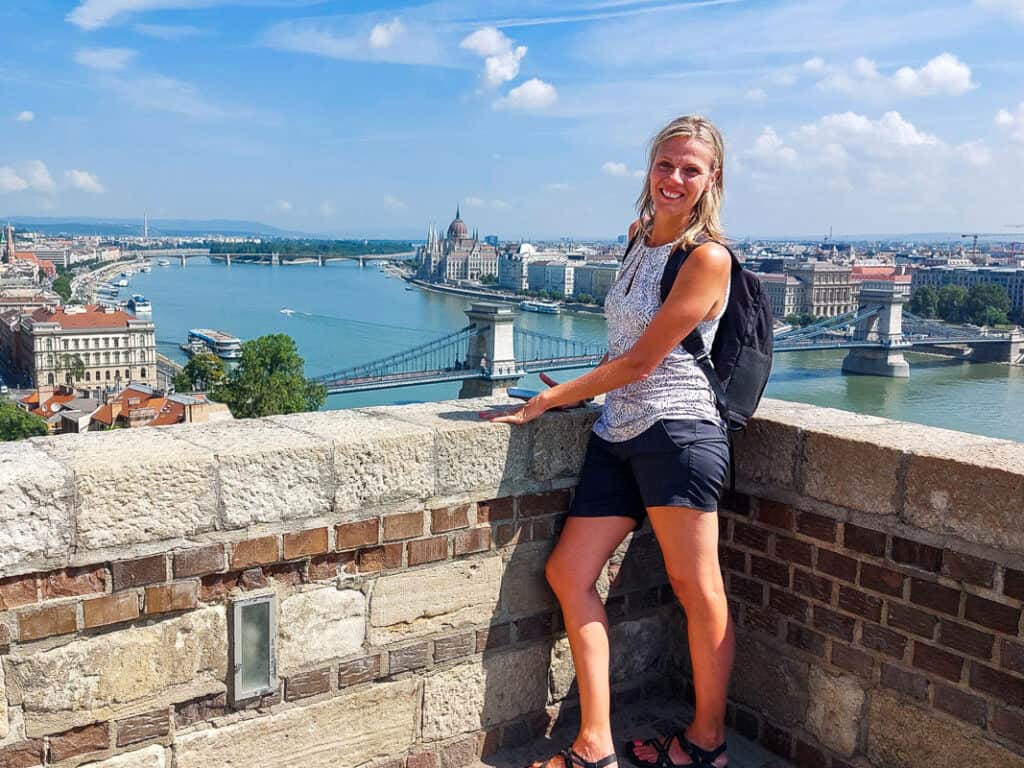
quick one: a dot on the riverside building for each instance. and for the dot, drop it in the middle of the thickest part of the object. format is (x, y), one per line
(1011, 278)
(811, 287)
(457, 256)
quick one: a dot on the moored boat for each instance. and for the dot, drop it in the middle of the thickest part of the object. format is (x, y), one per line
(546, 307)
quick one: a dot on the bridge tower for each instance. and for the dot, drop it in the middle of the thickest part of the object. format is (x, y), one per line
(1010, 351)
(275, 259)
(227, 257)
(885, 328)
(493, 350)
(320, 260)
(183, 259)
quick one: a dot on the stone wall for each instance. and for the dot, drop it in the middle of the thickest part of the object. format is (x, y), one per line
(875, 571)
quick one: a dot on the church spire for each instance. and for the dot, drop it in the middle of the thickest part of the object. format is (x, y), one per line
(458, 214)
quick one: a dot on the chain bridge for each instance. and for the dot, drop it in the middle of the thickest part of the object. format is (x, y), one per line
(492, 354)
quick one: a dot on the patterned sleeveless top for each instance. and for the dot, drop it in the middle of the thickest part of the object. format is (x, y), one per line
(677, 388)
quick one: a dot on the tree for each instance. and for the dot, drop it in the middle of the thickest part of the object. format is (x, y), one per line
(951, 303)
(585, 298)
(17, 424)
(987, 304)
(62, 287)
(925, 302)
(268, 380)
(74, 368)
(204, 371)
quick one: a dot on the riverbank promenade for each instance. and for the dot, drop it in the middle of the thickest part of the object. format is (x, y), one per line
(365, 588)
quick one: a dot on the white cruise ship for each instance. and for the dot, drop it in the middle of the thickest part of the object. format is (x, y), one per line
(547, 307)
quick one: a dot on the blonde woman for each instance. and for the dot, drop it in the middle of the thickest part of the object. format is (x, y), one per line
(659, 450)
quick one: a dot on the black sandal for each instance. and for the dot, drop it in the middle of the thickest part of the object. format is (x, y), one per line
(701, 758)
(571, 757)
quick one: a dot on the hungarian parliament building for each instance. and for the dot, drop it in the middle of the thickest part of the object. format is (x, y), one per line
(457, 256)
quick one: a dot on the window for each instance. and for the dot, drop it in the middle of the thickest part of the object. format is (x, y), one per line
(49, 379)
(64, 343)
(107, 376)
(253, 635)
(49, 343)
(106, 341)
(142, 373)
(87, 376)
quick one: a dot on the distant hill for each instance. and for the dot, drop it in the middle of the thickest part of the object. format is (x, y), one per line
(85, 225)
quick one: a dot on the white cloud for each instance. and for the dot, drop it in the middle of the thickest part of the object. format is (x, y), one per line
(557, 186)
(10, 181)
(474, 202)
(94, 14)
(392, 202)
(38, 176)
(168, 31)
(105, 58)
(1012, 122)
(1013, 8)
(612, 168)
(385, 34)
(351, 38)
(83, 180)
(326, 209)
(282, 206)
(165, 94)
(976, 153)
(533, 94)
(756, 95)
(25, 116)
(499, 204)
(815, 65)
(501, 62)
(770, 150)
(890, 135)
(945, 74)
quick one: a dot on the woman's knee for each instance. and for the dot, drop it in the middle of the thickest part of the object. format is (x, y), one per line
(564, 579)
(697, 590)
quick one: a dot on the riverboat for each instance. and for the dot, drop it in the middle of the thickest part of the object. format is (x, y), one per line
(545, 307)
(123, 282)
(139, 305)
(164, 263)
(223, 345)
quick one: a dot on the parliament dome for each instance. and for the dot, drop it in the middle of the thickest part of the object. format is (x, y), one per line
(457, 228)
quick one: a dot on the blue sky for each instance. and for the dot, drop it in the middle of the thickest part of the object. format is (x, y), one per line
(377, 118)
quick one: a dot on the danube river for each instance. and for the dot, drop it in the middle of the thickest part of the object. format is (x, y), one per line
(345, 315)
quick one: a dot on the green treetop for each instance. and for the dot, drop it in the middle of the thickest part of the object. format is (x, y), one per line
(268, 380)
(17, 424)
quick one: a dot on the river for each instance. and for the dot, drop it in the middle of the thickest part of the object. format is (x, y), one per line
(345, 315)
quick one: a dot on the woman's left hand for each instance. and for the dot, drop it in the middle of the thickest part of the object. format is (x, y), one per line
(534, 407)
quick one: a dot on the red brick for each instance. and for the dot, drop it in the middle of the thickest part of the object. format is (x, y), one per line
(775, 514)
(112, 609)
(745, 589)
(447, 648)
(1008, 689)
(770, 570)
(151, 725)
(542, 529)
(373, 559)
(493, 637)
(913, 553)
(806, 640)
(852, 660)
(811, 585)
(854, 601)
(761, 619)
(25, 754)
(179, 596)
(777, 740)
(494, 509)
(17, 591)
(1013, 657)
(1008, 724)
(458, 753)
(261, 551)
(198, 710)
(534, 627)
(884, 640)
(732, 559)
(880, 579)
(935, 596)
(911, 620)
(474, 540)
(833, 623)
(405, 526)
(793, 551)
(810, 757)
(938, 662)
(973, 570)
(305, 543)
(360, 534)
(1013, 584)
(80, 741)
(325, 567)
(428, 550)
(788, 604)
(199, 561)
(72, 582)
(997, 616)
(135, 573)
(449, 518)
(816, 526)
(967, 640)
(410, 657)
(749, 536)
(910, 683)
(963, 706)
(511, 534)
(217, 586)
(291, 574)
(306, 684)
(549, 503)
(864, 540)
(44, 622)
(840, 566)
(358, 671)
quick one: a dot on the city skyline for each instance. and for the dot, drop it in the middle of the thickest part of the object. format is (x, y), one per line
(368, 118)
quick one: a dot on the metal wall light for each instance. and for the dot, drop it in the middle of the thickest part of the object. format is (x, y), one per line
(253, 647)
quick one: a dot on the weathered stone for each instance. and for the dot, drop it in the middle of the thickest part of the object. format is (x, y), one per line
(901, 735)
(164, 488)
(560, 441)
(150, 757)
(433, 599)
(295, 479)
(320, 625)
(766, 451)
(500, 688)
(524, 588)
(35, 509)
(834, 710)
(765, 681)
(150, 725)
(5, 727)
(120, 674)
(345, 731)
(867, 481)
(377, 460)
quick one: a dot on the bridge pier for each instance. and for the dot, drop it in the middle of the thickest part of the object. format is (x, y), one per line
(320, 261)
(1010, 351)
(183, 259)
(227, 259)
(493, 350)
(886, 328)
(275, 259)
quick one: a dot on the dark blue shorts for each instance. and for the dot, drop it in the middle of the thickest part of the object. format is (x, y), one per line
(675, 463)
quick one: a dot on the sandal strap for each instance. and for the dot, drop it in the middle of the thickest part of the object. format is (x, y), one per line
(699, 756)
(578, 759)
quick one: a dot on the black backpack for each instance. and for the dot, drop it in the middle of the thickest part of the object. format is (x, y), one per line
(740, 359)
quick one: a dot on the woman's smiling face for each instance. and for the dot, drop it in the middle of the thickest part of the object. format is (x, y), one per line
(683, 169)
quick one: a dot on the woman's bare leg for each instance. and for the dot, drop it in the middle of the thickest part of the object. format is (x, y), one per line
(583, 548)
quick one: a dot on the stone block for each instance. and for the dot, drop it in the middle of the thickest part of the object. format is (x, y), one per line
(497, 689)
(320, 625)
(149, 725)
(5, 724)
(35, 509)
(433, 599)
(524, 588)
(560, 440)
(343, 732)
(769, 683)
(120, 674)
(377, 459)
(905, 736)
(834, 710)
(767, 450)
(164, 489)
(295, 478)
(80, 741)
(150, 757)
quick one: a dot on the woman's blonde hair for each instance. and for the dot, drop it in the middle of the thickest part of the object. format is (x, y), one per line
(705, 223)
